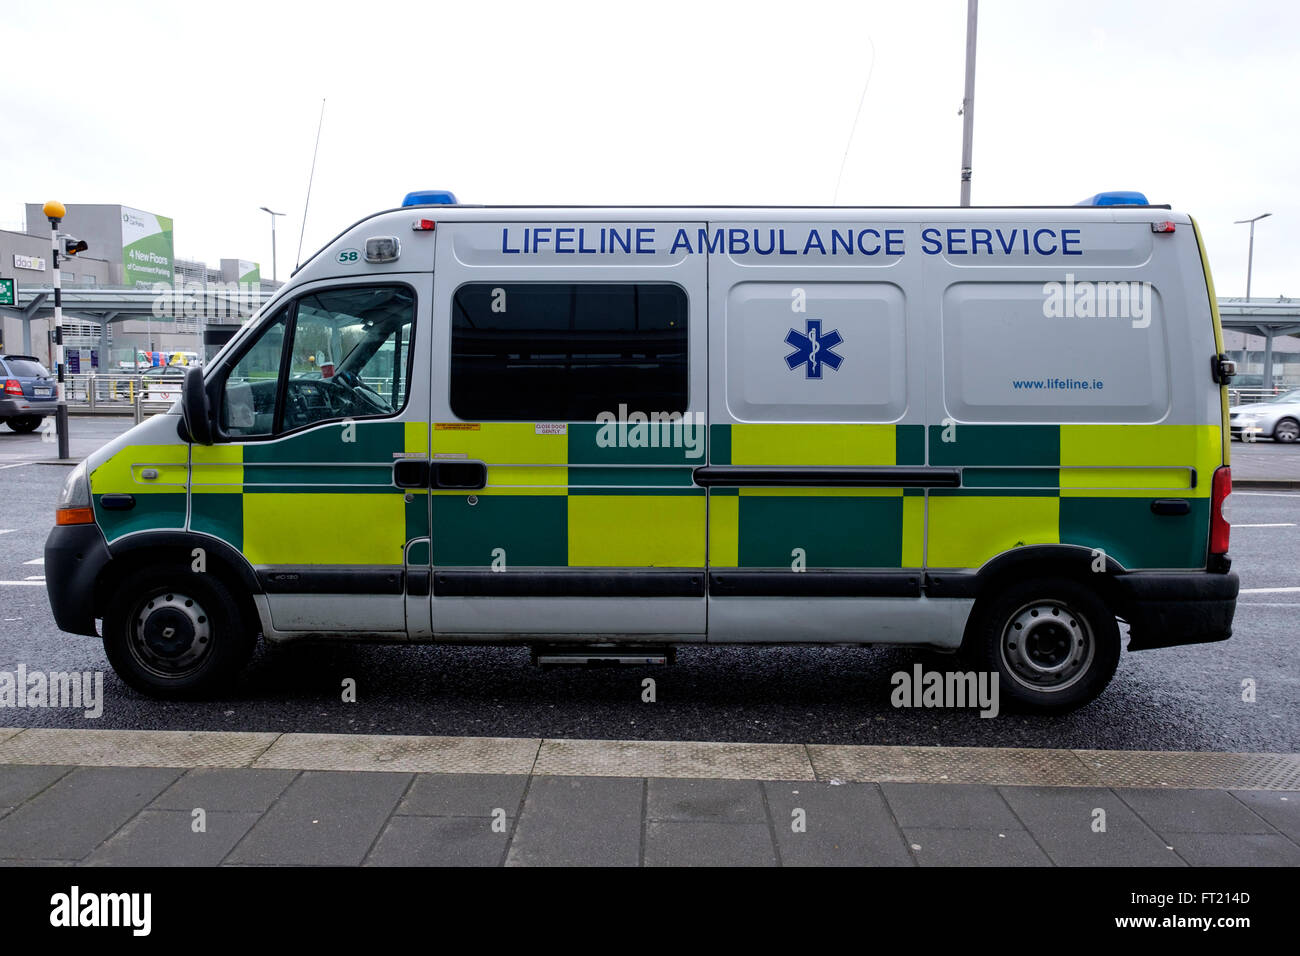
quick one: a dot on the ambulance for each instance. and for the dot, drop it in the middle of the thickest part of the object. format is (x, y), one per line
(607, 433)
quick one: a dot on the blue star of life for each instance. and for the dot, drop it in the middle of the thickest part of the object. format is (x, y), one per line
(813, 350)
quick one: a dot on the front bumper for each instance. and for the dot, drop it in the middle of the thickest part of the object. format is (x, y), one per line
(74, 557)
(1166, 609)
(14, 407)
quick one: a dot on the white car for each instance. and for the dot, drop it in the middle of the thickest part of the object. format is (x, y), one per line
(1276, 418)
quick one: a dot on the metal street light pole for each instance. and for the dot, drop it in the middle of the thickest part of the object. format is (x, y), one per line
(1250, 256)
(55, 211)
(274, 276)
(968, 101)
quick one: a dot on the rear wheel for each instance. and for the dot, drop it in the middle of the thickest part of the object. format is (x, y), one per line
(24, 423)
(1287, 430)
(173, 633)
(1053, 643)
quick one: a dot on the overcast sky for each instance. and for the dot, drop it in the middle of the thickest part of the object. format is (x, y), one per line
(204, 112)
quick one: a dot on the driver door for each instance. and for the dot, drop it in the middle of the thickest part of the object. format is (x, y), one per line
(313, 413)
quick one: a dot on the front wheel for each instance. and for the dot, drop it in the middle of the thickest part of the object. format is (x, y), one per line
(173, 633)
(1053, 643)
(24, 423)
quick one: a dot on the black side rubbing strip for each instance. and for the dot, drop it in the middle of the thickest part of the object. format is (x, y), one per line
(747, 476)
(566, 583)
(1171, 506)
(117, 502)
(334, 580)
(815, 583)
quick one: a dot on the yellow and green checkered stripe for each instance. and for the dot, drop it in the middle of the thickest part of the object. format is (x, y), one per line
(1086, 485)
(569, 500)
(159, 502)
(828, 528)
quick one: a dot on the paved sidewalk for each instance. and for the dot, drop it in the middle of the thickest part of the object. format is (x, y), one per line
(167, 798)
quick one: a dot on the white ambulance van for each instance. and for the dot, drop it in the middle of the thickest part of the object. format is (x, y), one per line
(609, 432)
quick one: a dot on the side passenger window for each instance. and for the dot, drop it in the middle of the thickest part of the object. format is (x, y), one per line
(334, 354)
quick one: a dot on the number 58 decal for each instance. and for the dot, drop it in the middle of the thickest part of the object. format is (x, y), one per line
(349, 256)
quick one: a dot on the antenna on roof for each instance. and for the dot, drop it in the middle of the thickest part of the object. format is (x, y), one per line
(310, 177)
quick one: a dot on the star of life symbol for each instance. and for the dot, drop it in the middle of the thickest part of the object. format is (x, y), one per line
(813, 350)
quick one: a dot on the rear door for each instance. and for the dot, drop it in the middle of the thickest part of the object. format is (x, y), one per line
(567, 422)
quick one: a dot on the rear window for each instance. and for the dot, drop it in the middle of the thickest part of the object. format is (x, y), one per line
(25, 368)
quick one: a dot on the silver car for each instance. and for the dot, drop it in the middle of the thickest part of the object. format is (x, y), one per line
(1276, 418)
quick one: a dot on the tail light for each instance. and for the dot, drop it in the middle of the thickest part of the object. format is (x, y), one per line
(13, 387)
(1219, 527)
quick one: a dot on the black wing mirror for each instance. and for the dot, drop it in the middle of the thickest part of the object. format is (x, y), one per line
(194, 406)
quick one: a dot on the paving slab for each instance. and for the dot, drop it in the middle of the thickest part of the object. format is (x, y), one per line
(134, 748)
(225, 790)
(713, 801)
(1169, 812)
(464, 795)
(579, 821)
(439, 841)
(976, 765)
(1280, 810)
(1237, 849)
(69, 819)
(1065, 824)
(168, 838)
(684, 758)
(949, 806)
(324, 818)
(705, 843)
(22, 782)
(943, 847)
(840, 825)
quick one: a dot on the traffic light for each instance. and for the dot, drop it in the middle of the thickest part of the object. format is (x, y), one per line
(73, 245)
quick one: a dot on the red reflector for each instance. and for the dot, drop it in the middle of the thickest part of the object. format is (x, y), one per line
(423, 225)
(1219, 527)
(13, 387)
(1165, 226)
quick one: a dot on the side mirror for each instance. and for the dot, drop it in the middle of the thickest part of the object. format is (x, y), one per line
(194, 406)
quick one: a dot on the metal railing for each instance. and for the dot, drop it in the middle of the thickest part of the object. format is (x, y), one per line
(1249, 394)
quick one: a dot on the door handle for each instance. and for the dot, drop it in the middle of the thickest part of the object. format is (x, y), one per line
(411, 473)
(1171, 506)
(470, 475)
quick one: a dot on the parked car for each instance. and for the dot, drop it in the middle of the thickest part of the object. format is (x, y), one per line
(1276, 418)
(29, 392)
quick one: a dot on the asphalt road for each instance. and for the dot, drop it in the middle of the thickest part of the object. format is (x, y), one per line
(1173, 699)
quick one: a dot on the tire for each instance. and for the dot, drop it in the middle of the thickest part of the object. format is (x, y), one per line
(1036, 673)
(176, 634)
(1286, 431)
(24, 423)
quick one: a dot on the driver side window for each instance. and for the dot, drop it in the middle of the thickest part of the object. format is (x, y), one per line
(348, 356)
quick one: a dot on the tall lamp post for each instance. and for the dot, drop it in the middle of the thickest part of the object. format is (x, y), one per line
(1250, 263)
(54, 212)
(1250, 256)
(274, 277)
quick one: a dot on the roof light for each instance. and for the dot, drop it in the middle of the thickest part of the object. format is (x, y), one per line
(430, 197)
(1165, 226)
(423, 225)
(1118, 197)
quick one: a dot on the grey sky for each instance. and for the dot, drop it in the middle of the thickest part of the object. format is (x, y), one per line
(204, 112)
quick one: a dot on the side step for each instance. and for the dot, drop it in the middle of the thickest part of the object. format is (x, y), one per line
(553, 655)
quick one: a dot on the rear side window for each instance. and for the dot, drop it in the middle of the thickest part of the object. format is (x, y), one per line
(566, 351)
(25, 368)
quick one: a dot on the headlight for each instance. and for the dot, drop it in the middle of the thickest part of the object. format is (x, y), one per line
(74, 499)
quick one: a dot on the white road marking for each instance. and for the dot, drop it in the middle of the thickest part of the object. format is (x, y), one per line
(1265, 494)
(1279, 524)
(1270, 591)
(35, 561)
(1241, 604)
(6, 530)
(35, 577)
(15, 584)
(17, 464)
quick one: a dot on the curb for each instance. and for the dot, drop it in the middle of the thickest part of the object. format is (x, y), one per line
(995, 766)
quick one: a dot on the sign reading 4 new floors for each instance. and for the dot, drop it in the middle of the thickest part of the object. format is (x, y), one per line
(147, 253)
